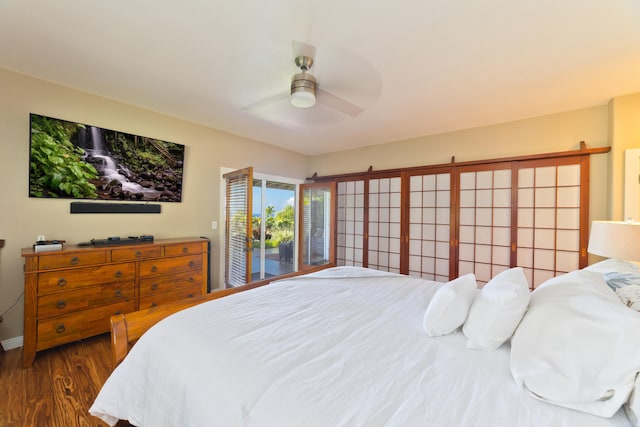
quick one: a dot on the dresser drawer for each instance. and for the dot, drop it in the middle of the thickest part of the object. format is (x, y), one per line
(183, 249)
(170, 265)
(134, 254)
(84, 298)
(167, 297)
(66, 280)
(72, 327)
(171, 282)
(71, 294)
(63, 260)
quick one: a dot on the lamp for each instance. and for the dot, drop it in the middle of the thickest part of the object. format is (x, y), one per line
(303, 84)
(615, 239)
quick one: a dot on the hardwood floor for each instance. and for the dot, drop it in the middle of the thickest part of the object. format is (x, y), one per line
(58, 389)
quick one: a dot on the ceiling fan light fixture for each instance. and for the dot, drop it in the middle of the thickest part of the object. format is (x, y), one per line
(303, 99)
(303, 90)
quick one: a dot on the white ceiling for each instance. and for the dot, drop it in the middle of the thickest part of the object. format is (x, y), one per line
(416, 67)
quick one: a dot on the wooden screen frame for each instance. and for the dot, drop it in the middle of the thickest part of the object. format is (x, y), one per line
(365, 215)
(584, 162)
(454, 182)
(580, 157)
(485, 167)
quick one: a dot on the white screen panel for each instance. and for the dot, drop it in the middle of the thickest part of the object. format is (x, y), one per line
(549, 220)
(350, 223)
(486, 200)
(384, 239)
(434, 221)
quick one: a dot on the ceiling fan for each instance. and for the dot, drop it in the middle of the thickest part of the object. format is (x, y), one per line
(305, 90)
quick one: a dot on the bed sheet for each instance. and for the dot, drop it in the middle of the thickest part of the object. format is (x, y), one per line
(343, 347)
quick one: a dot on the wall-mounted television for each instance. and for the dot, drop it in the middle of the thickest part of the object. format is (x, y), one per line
(79, 161)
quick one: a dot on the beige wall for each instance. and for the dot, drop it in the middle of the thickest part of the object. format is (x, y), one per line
(23, 218)
(557, 132)
(208, 150)
(624, 117)
(552, 133)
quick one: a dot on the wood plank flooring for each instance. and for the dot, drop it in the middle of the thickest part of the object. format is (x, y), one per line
(58, 389)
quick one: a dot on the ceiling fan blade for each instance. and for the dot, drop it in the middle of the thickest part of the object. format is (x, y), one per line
(337, 103)
(264, 102)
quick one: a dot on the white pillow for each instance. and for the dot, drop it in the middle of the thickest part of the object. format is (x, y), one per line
(449, 307)
(578, 346)
(497, 310)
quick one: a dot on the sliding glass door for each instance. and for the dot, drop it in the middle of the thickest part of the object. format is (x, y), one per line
(260, 227)
(317, 230)
(273, 228)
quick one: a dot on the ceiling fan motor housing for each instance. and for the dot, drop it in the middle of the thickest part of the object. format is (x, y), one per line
(303, 81)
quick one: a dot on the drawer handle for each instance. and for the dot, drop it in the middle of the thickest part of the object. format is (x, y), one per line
(153, 304)
(191, 264)
(185, 250)
(191, 280)
(61, 304)
(117, 313)
(60, 329)
(62, 282)
(190, 296)
(118, 274)
(118, 293)
(154, 286)
(138, 254)
(74, 260)
(154, 269)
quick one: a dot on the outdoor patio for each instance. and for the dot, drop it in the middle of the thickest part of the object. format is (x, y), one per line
(276, 263)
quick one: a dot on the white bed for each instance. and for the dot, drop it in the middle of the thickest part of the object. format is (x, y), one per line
(342, 347)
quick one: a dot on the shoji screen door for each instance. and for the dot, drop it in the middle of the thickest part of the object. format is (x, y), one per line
(430, 226)
(525, 213)
(384, 226)
(350, 221)
(444, 221)
(551, 213)
(485, 221)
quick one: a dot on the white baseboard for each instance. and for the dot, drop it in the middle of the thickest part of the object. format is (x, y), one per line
(11, 343)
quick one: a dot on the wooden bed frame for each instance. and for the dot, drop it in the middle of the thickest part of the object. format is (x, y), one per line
(127, 328)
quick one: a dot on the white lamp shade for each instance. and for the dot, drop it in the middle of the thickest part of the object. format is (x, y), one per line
(615, 239)
(303, 97)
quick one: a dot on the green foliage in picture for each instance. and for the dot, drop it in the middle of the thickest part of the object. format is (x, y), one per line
(143, 153)
(57, 168)
(77, 161)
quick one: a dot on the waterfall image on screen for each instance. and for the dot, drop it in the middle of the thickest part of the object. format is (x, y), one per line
(78, 161)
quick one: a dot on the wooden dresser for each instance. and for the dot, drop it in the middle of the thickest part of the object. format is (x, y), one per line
(71, 293)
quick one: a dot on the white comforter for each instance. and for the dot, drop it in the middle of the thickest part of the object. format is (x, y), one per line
(320, 350)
